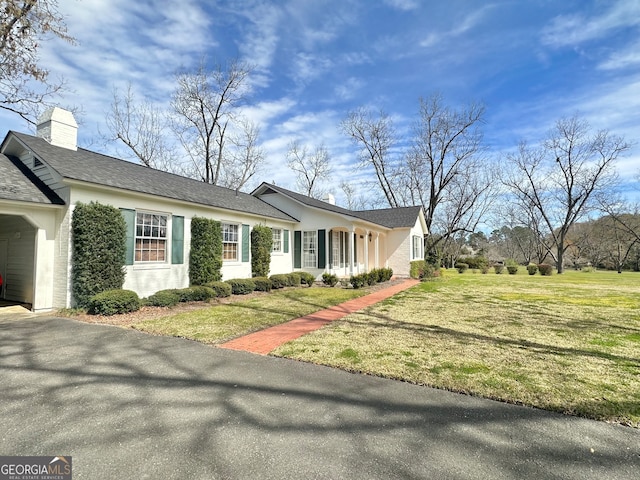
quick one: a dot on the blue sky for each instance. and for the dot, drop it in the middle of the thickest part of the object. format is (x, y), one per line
(530, 63)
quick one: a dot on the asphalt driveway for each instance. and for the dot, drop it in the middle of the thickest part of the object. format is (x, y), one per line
(129, 405)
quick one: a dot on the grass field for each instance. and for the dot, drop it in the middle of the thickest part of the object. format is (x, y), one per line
(218, 323)
(568, 343)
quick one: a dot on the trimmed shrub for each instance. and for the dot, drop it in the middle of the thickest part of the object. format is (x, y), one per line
(220, 289)
(417, 268)
(99, 236)
(279, 280)
(512, 269)
(484, 269)
(294, 279)
(329, 279)
(498, 268)
(358, 281)
(461, 267)
(261, 245)
(241, 286)
(532, 269)
(112, 302)
(163, 298)
(205, 256)
(545, 269)
(198, 293)
(263, 284)
(307, 278)
(475, 262)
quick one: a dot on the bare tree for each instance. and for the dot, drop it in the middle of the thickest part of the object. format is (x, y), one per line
(446, 173)
(244, 157)
(205, 104)
(143, 128)
(376, 136)
(561, 180)
(310, 168)
(24, 25)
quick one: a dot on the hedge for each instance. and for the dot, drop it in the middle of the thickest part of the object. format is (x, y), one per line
(99, 236)
(241, 286)
(221, 289)
(262, 284)
(307, 278)
(261, 245)
(205, 256)
(163, 298)
(112, 302)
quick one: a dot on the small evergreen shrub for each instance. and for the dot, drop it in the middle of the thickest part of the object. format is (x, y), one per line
(329, 279)
(279, 280)
(498, 268)
(307, 278)
(358, 281)
(112, 302)
(532, 269)
(545, 269)
(241, 286)
(461, 267)
(484, 269)
(417, 269)
(198, 293)
(263, 284)
(163, 298)
(220, 289)
(474, 262)
(294, 279)
(261, 245)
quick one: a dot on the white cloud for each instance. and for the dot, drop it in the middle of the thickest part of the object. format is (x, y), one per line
(625, 58)
(405, 5)
(571, 30)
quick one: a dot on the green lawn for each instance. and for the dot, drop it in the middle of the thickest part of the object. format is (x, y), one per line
(218, 323)
(568, 343)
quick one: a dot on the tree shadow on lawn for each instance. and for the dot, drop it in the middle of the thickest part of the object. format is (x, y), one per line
(385, 321)
(126, 404)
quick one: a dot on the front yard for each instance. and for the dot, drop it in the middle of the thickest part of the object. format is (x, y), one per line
(568, 343)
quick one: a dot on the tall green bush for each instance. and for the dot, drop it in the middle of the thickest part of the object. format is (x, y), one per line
(261, 245)
(98, 252)
(205, 257)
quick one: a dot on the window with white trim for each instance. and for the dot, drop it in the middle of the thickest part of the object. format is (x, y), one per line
(417, 248)
(310, 249)
(229, 242)
(277, 240)
(151, 237)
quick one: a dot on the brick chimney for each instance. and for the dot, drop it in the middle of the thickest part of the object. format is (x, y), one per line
(59, 128)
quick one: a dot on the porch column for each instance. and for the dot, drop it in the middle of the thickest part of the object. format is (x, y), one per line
(377, 252)
(366, 250)
(352, 244)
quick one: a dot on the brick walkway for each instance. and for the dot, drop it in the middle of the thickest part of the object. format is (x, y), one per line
(270, 338)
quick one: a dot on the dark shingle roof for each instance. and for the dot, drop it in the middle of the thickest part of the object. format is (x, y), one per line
(387, 217)
(21, 184)
(88, 166)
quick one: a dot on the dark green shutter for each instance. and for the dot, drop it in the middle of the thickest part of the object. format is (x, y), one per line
(331, 249)
(355, 248)
(297, 249)
(130, 221)
(245, 243)
(322, 248)
(177, 240)
(285, 246)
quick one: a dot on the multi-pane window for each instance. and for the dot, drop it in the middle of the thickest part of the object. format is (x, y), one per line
(309, 249)
(151, 237)
(417, 247)
(277, 240)
(229, 241)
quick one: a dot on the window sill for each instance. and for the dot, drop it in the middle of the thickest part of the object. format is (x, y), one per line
(151, 266)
